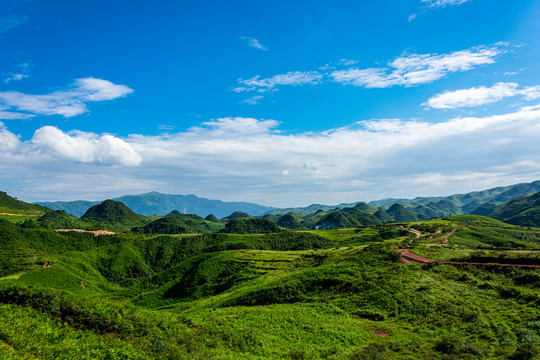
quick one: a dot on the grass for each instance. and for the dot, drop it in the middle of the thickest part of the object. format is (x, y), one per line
(326, 294)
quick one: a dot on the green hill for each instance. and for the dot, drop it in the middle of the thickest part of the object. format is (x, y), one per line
(251, 226)
(346, 219)
(524, 211)
(212, 218)
(290, 221)
(435, 206)
(384, 217)
(165, 225)
(400, 214)
(237, 215)
(328, 294)
(113, 213)
(11, 205)
(60, 219)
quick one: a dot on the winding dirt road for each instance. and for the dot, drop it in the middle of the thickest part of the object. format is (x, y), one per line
(406, 254)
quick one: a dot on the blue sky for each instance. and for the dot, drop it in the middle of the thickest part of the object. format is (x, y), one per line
(283, 103)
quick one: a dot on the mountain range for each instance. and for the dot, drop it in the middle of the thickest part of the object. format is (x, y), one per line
(489, 200)
(155, 203)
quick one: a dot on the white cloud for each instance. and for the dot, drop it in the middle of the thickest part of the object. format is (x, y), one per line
(9, 142)
(15, 77)
(93, 89)
(406, 70)
(254, 100)
(347, 62)
(235, 125)
(11, 21)
(416, 69)
(531, 93)
(443, 3)
(68, 103)
(254, 43)
(412, 17)
(84, 147)
(237, 158)
(269, 84)
(481, 95)
(9, 115)
(22, 72)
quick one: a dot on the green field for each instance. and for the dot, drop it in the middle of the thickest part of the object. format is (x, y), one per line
(317, 294)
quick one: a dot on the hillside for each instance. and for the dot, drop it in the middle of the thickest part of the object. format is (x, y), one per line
(178, 223)
(11, 205)
(524, 211)
(111, 213)
(155, 203)
(340, 294)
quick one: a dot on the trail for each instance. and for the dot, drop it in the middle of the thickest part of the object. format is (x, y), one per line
(95, 232)
(406, 253)
(446, 241)
(418, 233)
(10, 214)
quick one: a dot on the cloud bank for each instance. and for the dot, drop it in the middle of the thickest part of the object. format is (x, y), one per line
(249, 159)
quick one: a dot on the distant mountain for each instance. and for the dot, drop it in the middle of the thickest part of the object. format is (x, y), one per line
(524, 211)
(433, 207)
(155, 203)
(76, 208)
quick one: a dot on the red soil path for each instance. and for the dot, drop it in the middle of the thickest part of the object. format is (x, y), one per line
(406, 254)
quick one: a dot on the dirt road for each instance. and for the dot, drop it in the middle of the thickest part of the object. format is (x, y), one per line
(406, 253)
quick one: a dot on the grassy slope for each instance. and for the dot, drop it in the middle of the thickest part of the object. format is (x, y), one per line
(237, 297)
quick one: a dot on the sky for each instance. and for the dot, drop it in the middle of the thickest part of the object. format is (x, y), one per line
(281, 103)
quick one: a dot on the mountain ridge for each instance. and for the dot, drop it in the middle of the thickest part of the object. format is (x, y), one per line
(156, 203)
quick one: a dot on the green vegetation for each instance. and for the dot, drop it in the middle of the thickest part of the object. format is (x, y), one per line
(112, 214)
(11, 205)
(524, 211)
(256, 290)
(251, 226)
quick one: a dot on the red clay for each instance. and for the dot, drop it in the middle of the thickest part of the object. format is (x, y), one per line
(406, 253)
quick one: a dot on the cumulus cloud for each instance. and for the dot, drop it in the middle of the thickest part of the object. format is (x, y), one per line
(481, 95)
(405, 70)
(84, 147)
(68, 103)
(254, 43)
(9, 142)
(237, 158)
(443, 3)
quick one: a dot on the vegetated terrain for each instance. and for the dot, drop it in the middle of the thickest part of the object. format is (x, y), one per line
(249, 288)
